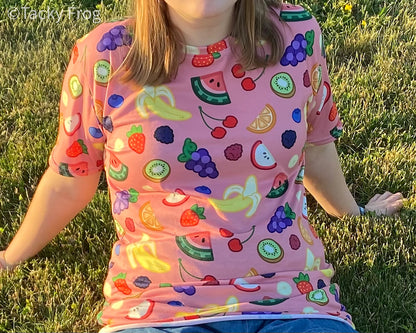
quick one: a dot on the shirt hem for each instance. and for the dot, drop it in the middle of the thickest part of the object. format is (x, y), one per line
(110, 329)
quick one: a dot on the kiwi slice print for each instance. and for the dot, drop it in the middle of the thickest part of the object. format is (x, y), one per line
(282, 85)
(269, 250)
(102, 71)
(75, 87)
(156, 170)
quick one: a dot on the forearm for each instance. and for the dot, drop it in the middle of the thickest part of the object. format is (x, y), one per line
(56, 202)
(325, 180)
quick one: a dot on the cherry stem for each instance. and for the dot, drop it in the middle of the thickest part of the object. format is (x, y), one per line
(252, 232)
(203, 119)
(262, 72)
(200, 110)
(182, 267)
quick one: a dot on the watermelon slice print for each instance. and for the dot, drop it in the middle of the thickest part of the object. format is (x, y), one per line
(197, 245)
(211, 89)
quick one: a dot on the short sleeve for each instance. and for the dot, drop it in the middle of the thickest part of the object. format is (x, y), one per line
(78, 150)
(324, 124)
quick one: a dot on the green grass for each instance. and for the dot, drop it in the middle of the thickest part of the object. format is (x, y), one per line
(373, 77)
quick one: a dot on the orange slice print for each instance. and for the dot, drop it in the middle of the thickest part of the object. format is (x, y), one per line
(265, 121)
(148, 218)
(99, 108)
(316, 78)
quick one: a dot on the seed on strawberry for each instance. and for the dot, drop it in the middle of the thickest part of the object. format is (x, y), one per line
(303, 284)
(121, 284)
(136, 139)
(191, 217)
(202, 60)
(217, 47)
(77, 148)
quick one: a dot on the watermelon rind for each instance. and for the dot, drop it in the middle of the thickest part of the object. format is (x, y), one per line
(193, 251)
(207, 96)
(295, 16)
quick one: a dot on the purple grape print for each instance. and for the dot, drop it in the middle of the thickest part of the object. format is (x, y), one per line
(116, 37)
(198, 160)
(282, 218)
(298, 49)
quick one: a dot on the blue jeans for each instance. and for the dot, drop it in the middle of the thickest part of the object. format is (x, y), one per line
(255, 326)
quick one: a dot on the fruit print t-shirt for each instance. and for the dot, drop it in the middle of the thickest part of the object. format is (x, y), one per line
(205, 176)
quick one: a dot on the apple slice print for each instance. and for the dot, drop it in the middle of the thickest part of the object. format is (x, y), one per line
(176, 198)
(141, 311)
(72, 124)
(243, 285)
(261, 156)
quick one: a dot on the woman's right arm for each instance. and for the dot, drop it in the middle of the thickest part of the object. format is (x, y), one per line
(56, 202)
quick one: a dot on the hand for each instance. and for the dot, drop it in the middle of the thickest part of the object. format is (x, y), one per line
(385, 204)
(3, 263)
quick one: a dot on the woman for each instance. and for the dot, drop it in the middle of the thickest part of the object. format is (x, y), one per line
(210, 119)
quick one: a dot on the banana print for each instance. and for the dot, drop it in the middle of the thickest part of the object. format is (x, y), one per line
(144, 253)
(231, 305)
(247, 197)
(149, 101)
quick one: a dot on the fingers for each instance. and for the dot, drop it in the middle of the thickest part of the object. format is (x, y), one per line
(385, 195)
(374, 198)
(386, 203)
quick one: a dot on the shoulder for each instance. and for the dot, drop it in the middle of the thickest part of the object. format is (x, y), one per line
(106, 45)
(108, 40)
(292, 19)
(109, 29)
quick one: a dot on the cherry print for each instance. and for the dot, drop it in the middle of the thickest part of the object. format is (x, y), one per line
(230, 122)
(248, 83)
(235, 244)
(208, 279)
(226, 233)
(237, 71)
(219, 132)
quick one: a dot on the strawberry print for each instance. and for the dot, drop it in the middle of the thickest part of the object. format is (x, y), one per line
(77, 148)
(75, 54)
(217, 47)
(205, 60)
(202, 60)
(303, 284)
(205, 176)
(136, 139)
(121, 284)
(191, 217)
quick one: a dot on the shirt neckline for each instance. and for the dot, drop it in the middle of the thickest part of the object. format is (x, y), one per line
(216, 49)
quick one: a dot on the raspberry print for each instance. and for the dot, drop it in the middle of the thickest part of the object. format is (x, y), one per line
(136, 139)
(164, 134)
(233, 152)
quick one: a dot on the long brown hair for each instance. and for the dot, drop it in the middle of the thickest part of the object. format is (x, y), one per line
(157, 48)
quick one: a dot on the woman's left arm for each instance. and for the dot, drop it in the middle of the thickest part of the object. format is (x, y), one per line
(325, 180)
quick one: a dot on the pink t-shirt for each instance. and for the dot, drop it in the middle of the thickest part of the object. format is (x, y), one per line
(205, 178)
